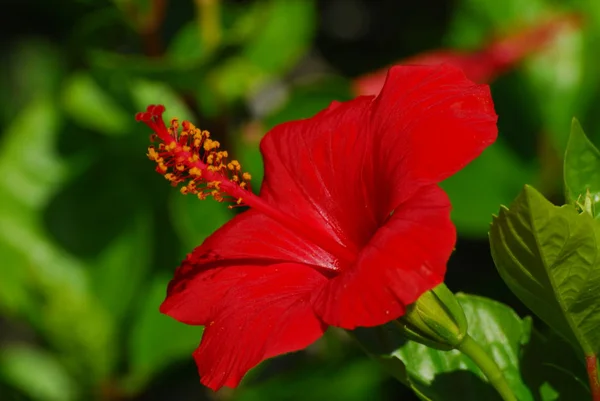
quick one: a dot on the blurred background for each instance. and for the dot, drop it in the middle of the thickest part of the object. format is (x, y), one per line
(90, 234)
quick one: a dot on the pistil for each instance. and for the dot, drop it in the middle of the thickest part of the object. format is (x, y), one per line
(188, 154)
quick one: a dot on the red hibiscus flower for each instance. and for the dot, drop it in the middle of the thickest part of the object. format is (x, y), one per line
(482, 65)
(349, 227)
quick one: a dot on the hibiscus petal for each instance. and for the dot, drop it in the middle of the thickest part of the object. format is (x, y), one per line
(429, 122)
(207, 274)
(406, 257)
(267, 314)
(318, 170)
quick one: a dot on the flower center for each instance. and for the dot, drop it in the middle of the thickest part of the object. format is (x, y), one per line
(187, 155)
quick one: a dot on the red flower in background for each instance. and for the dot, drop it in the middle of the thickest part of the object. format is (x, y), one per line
(350, 225)
(483, 65)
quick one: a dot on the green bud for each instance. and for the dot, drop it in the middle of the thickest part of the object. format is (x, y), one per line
(436, 320)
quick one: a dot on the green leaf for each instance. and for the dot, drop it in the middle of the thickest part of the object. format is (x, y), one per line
(436, 375)
(157, 340)
(475, 20)
(36, 373)
(478, 189)
(450, 375)
(187, 47)
(555, 76)
(121, 266)
(33, 67)
(582, 169)
(46, 285)
(356, 380)
(552, 369)
(194, 220)
(92, 107)
(286, 34)
(147, 92)
(27, 180)
(548, 256)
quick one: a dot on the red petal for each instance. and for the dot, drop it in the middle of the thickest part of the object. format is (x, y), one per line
(249, 239)
(344, 170)
(267, 314)
(318, 171)
(405, 258)
(429, 123)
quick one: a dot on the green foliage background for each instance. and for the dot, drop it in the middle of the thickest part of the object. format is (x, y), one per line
(90, 235)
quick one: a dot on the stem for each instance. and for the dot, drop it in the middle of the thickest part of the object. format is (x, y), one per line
(591, 364)
(487, 365)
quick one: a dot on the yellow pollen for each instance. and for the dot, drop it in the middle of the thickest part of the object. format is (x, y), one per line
(152, 154)
(186, 155)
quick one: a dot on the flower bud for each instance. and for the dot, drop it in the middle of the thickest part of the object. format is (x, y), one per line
(436, 320)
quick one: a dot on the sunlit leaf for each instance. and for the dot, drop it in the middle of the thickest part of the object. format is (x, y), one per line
(285, 35)
(41, 273)
(451, 375)
(582, 169)
(556, 79)
(146, 92)
(548, 256)
(92, 107)
(36, 373)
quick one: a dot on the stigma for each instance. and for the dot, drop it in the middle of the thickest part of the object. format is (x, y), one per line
(187, 157)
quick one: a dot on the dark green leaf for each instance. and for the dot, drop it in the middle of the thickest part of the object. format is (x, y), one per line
(122, 265)
(157, 340)
(582, 169)
(187, 47)
(553, 370)
(353, 381)
(194, 220)
(548, 256)
(478, 189)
